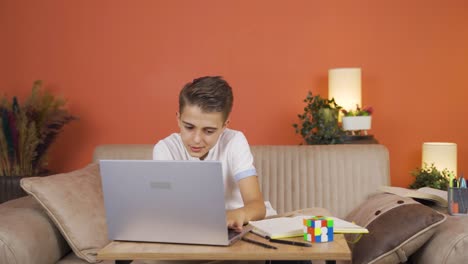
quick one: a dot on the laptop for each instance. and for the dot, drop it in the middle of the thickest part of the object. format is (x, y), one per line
(166, 201)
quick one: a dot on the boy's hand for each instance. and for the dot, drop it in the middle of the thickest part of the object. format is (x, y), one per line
(235, 219)
(254, 206)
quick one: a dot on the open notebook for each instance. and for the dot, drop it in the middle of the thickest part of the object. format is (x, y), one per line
(282, 227)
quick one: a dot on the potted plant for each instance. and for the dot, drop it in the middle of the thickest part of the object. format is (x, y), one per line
(26, 133)
(429, 176)
(357, 120)
(319, 122)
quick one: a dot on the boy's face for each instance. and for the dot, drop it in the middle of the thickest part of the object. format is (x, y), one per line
(200, 130)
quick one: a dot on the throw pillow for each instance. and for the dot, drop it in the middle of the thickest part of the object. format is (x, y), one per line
(75, 204)
(398, 226)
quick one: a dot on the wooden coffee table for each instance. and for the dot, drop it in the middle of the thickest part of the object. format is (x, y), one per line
(124, 252)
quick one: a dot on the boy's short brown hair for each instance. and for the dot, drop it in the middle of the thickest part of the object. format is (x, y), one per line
(210, 93)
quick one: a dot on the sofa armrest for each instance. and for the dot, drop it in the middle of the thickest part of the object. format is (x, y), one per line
(449, 244)
(27, 235)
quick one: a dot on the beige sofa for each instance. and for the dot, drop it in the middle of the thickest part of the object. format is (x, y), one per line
(336, 177)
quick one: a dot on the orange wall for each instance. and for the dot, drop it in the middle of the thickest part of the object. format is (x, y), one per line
(121, 64)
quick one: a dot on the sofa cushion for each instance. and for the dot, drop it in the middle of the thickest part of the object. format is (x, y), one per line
(73, 259)
(75, 204)
(398, 226)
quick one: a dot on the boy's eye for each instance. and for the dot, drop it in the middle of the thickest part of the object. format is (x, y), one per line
(189, 127)
(210, 131)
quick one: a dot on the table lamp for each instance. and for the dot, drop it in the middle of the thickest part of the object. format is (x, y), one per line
(442, 154)
(344, 84)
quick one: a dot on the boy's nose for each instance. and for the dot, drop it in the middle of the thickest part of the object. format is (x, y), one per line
(197, 137)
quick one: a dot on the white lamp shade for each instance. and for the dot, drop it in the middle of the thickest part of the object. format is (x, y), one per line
(442, 154)
(344, 84)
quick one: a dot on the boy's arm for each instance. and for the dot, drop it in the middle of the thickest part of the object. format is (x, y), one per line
(254, 206)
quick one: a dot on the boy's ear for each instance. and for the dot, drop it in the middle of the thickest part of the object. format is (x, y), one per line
(178, 118)
(226, 123)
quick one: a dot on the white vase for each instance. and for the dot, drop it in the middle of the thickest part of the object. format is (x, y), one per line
(356, 122)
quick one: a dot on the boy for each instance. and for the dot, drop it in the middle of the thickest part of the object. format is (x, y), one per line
(204, 108)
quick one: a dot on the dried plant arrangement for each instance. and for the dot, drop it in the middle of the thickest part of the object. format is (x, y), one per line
(28, 130)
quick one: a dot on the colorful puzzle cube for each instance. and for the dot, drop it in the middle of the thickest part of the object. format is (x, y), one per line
(318, 229)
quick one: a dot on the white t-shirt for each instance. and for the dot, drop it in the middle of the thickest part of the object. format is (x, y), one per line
(232, 149)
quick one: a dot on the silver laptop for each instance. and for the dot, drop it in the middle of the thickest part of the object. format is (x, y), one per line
(166, 201)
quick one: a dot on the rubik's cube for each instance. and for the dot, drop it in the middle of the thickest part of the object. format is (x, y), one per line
(318, 229)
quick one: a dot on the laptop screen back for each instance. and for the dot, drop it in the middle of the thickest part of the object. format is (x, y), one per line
(164, 201)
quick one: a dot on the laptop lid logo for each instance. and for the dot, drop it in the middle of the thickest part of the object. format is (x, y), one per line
(161, 185)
